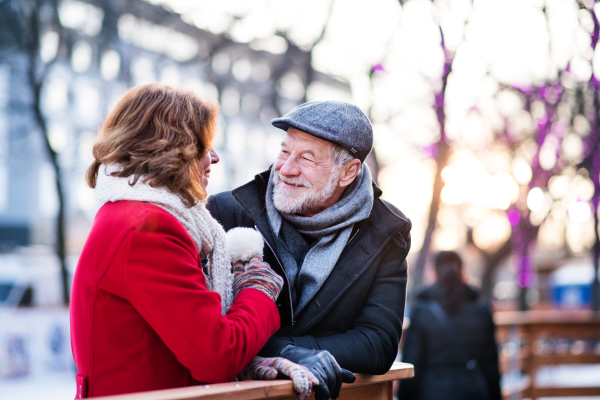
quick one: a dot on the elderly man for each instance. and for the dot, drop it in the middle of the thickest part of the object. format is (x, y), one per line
(340, 248)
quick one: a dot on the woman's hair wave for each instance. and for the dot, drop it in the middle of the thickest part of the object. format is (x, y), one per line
(159, 132)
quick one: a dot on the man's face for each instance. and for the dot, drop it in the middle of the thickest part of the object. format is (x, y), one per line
(305, 176)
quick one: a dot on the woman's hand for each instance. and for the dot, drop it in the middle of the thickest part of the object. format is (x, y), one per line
(268, 369)
(256, 275)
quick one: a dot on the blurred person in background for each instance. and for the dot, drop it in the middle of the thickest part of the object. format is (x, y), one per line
(339, 246)
(450, 340)
(144, 314)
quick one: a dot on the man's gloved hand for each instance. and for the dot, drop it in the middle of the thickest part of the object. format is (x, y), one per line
(269, 368)
(322, 364)
(256, 275)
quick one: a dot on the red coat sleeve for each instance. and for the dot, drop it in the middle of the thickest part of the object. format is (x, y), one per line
(165, 284)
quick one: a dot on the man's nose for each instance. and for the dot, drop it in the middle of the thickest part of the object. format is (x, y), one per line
(290, 168)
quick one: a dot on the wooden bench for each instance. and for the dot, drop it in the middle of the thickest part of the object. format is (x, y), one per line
(526, 334)
(375, 387)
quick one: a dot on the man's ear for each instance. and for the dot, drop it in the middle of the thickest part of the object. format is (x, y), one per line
(349, 172)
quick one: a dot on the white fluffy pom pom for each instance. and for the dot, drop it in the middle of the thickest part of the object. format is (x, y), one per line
(243, 244)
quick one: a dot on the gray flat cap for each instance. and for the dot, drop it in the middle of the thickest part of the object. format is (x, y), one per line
(334, 121)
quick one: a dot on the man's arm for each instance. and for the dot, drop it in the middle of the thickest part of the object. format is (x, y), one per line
(371, 345)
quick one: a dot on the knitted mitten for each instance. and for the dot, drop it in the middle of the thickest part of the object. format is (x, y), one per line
(268, 369)
(256, 275)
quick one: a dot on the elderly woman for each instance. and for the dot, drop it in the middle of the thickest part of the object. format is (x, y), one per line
(145, 313)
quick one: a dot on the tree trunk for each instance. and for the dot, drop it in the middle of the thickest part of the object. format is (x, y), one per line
(443, 151)
(36, 83)
(595, 283)
(60, 245)
(595, 175)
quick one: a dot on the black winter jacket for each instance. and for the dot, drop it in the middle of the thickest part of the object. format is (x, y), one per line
(357, 314)
(438, 372)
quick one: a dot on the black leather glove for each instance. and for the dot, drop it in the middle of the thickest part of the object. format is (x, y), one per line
(322, 364)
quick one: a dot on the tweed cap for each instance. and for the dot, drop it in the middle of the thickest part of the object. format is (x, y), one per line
(335, 121)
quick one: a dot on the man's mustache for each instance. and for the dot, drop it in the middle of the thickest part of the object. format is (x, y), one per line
(298, 181)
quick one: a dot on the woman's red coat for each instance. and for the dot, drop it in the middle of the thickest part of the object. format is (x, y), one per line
(142, 317)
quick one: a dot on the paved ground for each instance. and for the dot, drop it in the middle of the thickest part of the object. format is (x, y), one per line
(47, 386)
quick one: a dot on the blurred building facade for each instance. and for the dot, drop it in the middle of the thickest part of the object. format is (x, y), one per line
(91, 53)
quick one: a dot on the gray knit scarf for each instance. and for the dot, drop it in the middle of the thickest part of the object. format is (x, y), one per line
(328, 230)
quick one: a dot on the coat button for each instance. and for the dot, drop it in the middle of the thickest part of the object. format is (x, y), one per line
(471, 364)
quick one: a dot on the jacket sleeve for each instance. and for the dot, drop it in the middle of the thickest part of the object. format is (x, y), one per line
(413, 351)
(165, 285)
(372, 344)
(222, 206)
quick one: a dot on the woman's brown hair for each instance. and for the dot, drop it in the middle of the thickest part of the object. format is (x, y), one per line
(158, 132)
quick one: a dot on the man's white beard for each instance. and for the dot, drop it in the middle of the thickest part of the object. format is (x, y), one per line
(293, 201)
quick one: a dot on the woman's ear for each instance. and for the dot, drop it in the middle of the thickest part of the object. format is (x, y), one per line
(349, 172)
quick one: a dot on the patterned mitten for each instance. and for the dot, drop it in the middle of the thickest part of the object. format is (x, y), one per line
(268, 369)
(256, 275)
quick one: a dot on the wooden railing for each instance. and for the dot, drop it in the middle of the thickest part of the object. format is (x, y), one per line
(375, 387)
(529, 336)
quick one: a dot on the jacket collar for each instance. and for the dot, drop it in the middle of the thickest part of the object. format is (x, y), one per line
(251, 197)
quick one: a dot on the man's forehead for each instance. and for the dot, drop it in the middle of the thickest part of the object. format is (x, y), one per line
(307, 141)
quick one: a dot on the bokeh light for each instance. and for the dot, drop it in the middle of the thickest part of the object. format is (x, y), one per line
(493, 231)
(535, 199)
(579, 211)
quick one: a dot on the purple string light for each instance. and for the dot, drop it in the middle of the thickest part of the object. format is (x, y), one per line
(379, 68)
(513, 217)
(525, 263)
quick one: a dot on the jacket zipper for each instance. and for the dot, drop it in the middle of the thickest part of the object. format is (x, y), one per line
(284, 273)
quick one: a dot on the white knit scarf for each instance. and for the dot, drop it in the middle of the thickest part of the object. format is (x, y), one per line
(207, 233)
